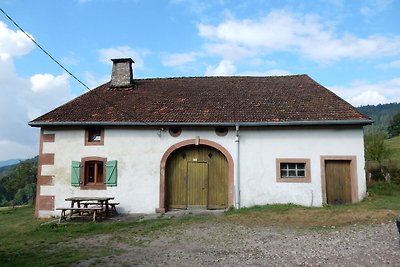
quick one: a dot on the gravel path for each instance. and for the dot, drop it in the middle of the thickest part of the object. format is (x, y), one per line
(225, 243)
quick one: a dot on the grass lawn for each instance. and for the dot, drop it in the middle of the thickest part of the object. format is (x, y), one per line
(394, 144)
(24, 241)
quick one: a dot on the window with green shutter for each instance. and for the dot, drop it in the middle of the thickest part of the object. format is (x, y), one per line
(111, 173)
(76, 173)
(93, 173)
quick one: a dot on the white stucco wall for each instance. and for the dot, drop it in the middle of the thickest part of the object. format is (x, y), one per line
(259, 149)
(139, 152)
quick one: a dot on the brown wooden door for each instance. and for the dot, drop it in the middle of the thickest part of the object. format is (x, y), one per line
(338, 181)
(197, 177)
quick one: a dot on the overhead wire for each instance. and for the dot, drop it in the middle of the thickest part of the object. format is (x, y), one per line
(59, 64)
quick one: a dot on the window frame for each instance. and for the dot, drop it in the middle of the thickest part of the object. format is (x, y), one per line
(294, 179)
(94, 143)
(84, 179)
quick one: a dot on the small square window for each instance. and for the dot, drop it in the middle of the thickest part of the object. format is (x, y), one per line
(94, 136)
(293, 170)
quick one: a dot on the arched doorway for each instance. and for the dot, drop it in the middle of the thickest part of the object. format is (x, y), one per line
(197, 177)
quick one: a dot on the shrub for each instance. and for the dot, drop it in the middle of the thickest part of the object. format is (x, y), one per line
(383, 189)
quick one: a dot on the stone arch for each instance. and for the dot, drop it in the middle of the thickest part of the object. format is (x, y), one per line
(170, 150)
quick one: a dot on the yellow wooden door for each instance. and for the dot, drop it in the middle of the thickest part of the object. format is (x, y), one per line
(338, 181)
(197, 177)
(176, 171)
(217, 180)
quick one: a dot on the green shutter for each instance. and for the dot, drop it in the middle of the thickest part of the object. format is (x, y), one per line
(111, 173)
(76, 173)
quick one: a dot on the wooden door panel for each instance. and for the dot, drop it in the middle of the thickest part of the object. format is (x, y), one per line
(218, 181)
(338, 181)
(197, 176)
(176, 184)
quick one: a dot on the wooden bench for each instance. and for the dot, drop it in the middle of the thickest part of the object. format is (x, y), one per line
(91, 210)
(87, 204)
(112, 207)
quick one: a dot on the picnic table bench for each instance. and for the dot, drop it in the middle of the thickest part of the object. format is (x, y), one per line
(90, 211)
(112, 209)
(89, 206)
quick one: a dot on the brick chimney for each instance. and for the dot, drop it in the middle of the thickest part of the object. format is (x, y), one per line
(122, 74)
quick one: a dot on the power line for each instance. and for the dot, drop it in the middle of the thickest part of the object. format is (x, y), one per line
(44, 51)
(59, 64)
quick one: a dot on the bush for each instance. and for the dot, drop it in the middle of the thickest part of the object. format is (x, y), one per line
(394, 170)
(383, 189)
(388, 166)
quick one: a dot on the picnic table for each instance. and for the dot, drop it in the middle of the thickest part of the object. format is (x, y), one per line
(89, 206)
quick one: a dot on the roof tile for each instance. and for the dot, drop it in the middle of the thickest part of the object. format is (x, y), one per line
(207, 100)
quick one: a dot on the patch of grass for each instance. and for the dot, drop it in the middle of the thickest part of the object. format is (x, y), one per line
(382, 205)
(25, 242)
(383, 189)
(277, 208)
(394, 145)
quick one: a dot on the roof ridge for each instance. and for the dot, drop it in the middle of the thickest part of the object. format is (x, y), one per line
(215, 77)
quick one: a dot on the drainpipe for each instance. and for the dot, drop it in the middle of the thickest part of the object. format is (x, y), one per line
(237, 169)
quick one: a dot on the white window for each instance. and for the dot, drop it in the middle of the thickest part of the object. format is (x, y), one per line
(292, 170)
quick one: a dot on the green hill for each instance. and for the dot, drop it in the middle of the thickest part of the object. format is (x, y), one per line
(381, 114)
(7, 169)
(4, 170)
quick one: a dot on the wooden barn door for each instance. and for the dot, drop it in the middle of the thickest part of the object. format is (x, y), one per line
(338, 181)
(217, 181)
(197, 177)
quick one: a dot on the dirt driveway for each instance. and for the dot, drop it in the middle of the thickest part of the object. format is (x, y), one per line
(225, 243)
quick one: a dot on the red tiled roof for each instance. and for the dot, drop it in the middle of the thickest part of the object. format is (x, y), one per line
(275, 99)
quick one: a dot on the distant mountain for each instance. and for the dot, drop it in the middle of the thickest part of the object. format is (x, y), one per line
(9, 162)
(381, 114)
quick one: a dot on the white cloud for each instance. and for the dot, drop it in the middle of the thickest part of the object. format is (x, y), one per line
(288, 32)
(13, 43)
(375, 6)
(391, 65)
(16, 150)
(224, 68)
(179, 59)
(193, 6)
(93, 81)
(273, 72)
(45, 82)
(107, 54)
(360, 93)
(24, 98)
(229, 51)
(70, 60)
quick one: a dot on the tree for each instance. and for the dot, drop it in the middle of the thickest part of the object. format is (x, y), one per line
(394, 126)
(377, 150)
(18, 186)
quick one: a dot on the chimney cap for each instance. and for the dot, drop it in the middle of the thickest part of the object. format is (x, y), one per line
(120, 60)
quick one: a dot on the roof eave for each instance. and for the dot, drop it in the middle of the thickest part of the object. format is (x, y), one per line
(245, 124)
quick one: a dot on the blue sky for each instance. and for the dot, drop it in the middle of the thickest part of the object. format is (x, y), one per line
(350, 47)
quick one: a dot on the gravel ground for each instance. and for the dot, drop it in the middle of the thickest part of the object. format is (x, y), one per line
(223, 243)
